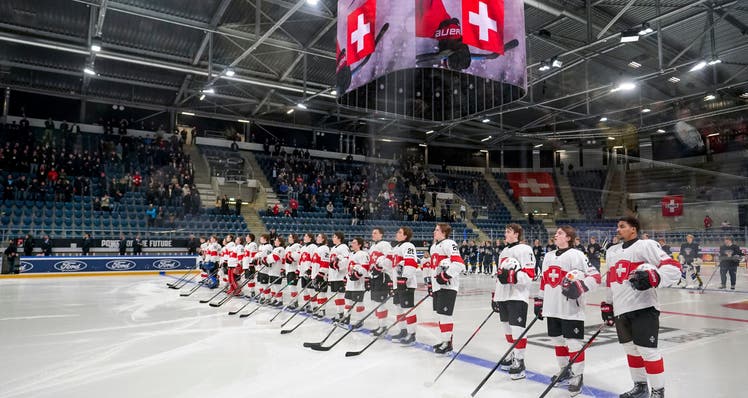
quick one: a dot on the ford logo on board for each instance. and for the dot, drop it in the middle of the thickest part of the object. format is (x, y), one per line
(120, 265)
(166, 264)
(25, 266)
(70, 266)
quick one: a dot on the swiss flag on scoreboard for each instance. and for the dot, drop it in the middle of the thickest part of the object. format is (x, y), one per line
(531, 184)
(360, 31)
(672, 205)
(483, 24)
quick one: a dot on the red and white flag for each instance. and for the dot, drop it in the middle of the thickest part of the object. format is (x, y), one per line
(483, 24)
(361, 32)
(672, 205)
(531, 184)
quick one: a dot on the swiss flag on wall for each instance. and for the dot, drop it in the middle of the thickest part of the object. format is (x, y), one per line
(360, 31)
(483, 24)
(531, 184)
(672, 205)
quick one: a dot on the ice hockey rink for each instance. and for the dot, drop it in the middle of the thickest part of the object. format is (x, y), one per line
(134, 337)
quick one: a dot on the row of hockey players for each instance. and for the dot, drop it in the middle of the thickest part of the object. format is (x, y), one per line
(636, 268)
(316, 272)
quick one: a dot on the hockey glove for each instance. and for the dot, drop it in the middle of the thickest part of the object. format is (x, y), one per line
(443, 278)
(376, 271)
(429, 287)
(495, 306)
(335, 263)
(643, 280)
(539, 308)
(606, 310)
(367, 284)
(507, 276)
(283, 273)
(319, 279)
(308, 273)
(354, 276)
(402, 283)
(573, 289)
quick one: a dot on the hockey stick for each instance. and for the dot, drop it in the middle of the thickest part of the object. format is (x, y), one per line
(194, 289)
(462, 348)
(430, 58)
(572, 360)
(281, 310)
(402, 317)
(716, 268)
(506, 354)
(224, 290)
(228, 296)
(301, 307)
(184, 282)
(308, 317)
(249, 279)
(183, 278)
(334, 326)
(263, 304)
(319, 347)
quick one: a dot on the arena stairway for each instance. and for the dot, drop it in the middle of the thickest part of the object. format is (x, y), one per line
(516, 213)
(567, 196)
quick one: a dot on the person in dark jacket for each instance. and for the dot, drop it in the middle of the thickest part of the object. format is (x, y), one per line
(594, 252)
(137, 246)
(537, 251)
(729, 259)
(11, 253)
(47, 246)
(28, 245)
(86, 245)
(192, 246)
(122, 245)
(487, 255)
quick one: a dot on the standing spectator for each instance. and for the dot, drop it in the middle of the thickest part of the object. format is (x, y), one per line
(28, 245)
(463, 212)
(225, 205)
(579, 246)
(537, 251)
(708, 222)
(46, 246)
(294, 204)
(551, 246)
(86, 245)
(729, 259)
(122, 244)
(487, 258)
(151, 214)
(329, 209)
(11, 253)
(106, 203)
(192, 246)
(49, 129)
(238, 206)
(594, 252)
(137, 246)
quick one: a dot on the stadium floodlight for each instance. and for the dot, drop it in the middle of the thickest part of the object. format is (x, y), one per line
(188, 113)
(635, 65)
(301, 105)
(646, 110)
(556, 63)
(486, 120)
(660, 131)
(486, 139)
(544, 66)
(612, 138)
(699, 66)
(229, 72)
(430, 132)
(624, 86)
(243, 121)
(710, 97)
(334, 92)
(202, 97)
(89, 70)
(603, 119)
(290, 111)
(645, 29)
(629, 36)
(538, 146)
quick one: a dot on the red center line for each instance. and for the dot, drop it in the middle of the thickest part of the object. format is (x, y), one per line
(694, 315)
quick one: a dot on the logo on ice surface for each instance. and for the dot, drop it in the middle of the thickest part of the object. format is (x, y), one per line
(120, 265)
(25, 267)
(166, 264)
(70, 266)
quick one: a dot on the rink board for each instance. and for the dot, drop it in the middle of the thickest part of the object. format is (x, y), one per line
(105, 264)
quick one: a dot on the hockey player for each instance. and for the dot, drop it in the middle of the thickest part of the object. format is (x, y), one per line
(238, 271)
(358, 264)
(688, 256)
(212, 262)
(275, 272)
(637, 268)
(446, 268)
(231, 263)
(405, 264)
(380, 269)
(515, 272)
(250, 270)
(320, 269)
(338, 270)
(567, 277)
(263, 279)
(291, 263)
(305, 269)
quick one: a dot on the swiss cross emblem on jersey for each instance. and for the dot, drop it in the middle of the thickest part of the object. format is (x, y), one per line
(483, 24)
(554, 275)
(360, 31)
(619, 273)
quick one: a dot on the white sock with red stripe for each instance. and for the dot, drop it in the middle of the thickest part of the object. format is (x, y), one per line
(636, 363)
(410, 322)
(446, 326)
(575, 345)
(519, 350)
(654, 366)
(562, 351)
(381, 317)
(340, 304)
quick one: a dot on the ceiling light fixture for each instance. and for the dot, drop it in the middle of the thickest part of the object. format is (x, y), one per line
(556, 63)
(660, 131)
(243, 121)
(629, 36)
(635, 65)
(301, 105)
(674, 79)
(603, 119)
(544, 66)
(612, 138)
(229, 72)
(89, 70)
(624, 86)
(713, 135)
(423, 145)
(312, 2)
(202, 97)
(290, 111)
(714, 61)
(744, 95)
(208, 90)
(710, 97)
(430, 132)
(646, 110)
(95, 47)
(188, 113)
(645, 29)
(386, 140)
(484, 150)
(699, 66)
(334, 92)
(486, 139)
(486, 120)
(538, 146)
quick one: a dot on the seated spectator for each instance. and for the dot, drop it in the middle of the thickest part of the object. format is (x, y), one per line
(151, 215)
(46, 246)
(330, 208)
(106, 203)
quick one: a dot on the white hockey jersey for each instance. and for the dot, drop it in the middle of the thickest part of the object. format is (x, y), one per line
(625, 258)
(204, 252)
(275, 261)
(321, 261)
(405, 263)
(358, 263)
(239, 251)
(379, 253)
(263, 251)
(305, 262)
(230, 254)
(339, 253)
(556, 265)
(250, 250)
(213, 250)
(445, 257)
(292, 257)
(519, 291)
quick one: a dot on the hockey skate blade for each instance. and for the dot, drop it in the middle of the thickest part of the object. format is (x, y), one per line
(318, 347)
(309, 345)
(428, 384)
